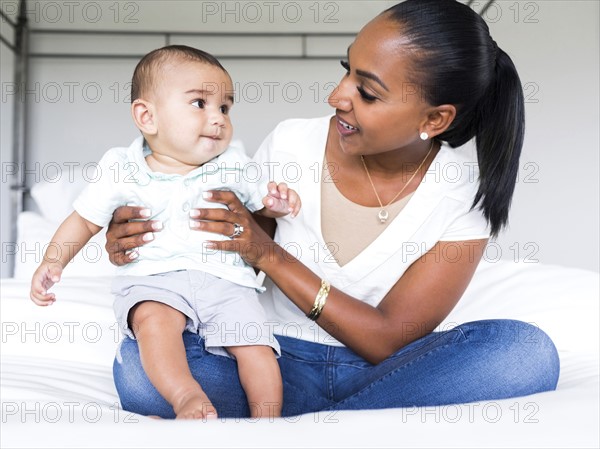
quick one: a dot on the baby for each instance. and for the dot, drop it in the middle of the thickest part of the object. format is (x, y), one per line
(181, 98)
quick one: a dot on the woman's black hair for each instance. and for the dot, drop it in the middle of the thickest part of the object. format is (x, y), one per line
(455, 61)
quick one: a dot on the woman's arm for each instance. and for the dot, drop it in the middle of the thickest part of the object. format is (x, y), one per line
(414, 306)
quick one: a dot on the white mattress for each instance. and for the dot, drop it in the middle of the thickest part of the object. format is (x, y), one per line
(57, 389)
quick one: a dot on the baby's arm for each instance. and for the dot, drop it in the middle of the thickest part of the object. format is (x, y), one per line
(280, 201)
(70, 237)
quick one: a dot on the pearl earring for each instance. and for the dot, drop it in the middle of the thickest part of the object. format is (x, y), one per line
(424, 136)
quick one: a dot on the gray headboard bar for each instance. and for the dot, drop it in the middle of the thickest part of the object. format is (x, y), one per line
(20, 48)
(300, 43)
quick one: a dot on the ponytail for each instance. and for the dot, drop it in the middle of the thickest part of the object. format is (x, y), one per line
(499, 139)
(455, 61)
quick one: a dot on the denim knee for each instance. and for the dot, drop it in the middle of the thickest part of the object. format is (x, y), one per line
(522, 357)
(542, 354)
(136, 392)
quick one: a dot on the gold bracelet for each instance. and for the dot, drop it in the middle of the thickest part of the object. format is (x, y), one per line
(320, 300)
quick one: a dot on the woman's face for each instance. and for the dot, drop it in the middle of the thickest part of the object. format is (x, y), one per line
(377, 108)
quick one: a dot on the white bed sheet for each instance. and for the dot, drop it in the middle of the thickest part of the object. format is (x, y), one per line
(57, 389)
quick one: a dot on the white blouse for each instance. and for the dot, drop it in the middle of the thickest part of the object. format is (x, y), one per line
(439, 210)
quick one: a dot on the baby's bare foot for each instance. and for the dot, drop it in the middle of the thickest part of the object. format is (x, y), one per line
(195, 405)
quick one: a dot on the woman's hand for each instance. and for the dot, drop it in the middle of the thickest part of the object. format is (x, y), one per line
(123, 236)
(250, 241)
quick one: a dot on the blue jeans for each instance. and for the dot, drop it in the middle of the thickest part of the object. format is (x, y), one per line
(482, 360)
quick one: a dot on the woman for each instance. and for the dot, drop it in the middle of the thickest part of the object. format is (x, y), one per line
(388, 240)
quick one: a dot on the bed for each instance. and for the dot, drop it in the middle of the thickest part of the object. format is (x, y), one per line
(56, 370)
(56, 363)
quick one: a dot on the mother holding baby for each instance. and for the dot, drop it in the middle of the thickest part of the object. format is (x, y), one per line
(385, 245)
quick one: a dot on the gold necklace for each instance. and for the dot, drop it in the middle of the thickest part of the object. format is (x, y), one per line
(383, 214)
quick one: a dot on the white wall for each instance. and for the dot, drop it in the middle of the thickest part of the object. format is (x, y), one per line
(207, 16)
(78, 108)
(555, 46)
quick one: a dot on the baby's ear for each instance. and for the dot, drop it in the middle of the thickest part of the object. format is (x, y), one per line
(142, 112)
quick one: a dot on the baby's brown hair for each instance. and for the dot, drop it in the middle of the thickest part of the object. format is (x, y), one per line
(145, 73)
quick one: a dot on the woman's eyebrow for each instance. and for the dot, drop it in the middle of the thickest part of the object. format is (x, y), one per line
(373, 77)
(366, 74)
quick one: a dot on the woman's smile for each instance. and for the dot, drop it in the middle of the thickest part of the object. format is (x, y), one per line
(344, 128)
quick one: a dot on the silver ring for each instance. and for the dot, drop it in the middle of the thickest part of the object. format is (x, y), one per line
(237, 230)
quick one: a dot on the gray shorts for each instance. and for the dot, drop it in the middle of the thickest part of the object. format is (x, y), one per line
(222, 312)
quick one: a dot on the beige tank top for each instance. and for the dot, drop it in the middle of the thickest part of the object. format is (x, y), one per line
(348, 228)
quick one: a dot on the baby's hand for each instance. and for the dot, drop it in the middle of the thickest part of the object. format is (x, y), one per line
(45, 277)
(282, 200)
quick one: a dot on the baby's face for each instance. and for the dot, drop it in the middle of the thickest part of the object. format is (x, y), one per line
(192, 103)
